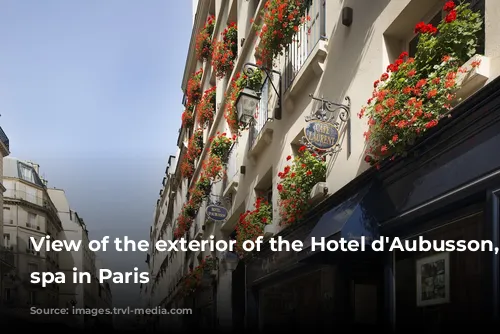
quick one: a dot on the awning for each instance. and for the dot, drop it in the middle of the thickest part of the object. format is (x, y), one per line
(350, 220)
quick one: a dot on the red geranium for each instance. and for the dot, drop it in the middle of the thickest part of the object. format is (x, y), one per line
(225, 51)
(251, 224)
(204, 40)
(281, 21)
(193, 91)
(206, 108)
(296, 183)
(419, 91)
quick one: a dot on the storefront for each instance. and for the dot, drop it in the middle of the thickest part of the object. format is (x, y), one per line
(445, 189)
(204, 309)
(450, 193)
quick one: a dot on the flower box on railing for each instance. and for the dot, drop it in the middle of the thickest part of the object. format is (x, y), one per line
(319, 192)
(269, 231)
(476, 76)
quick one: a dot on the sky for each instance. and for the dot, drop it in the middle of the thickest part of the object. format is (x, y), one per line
(91, 91)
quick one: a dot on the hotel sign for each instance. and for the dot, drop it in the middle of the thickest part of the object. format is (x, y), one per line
(321, 135)
(216, 212)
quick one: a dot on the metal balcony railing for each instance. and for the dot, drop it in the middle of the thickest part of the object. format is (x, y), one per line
(262, 114)
(304, 42)
(3, 138)
(6, 256)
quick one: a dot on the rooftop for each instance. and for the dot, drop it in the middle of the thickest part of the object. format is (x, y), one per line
(16, 168)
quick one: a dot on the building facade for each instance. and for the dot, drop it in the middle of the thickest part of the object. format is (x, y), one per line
(89, 296)
(309, 93)
(6, 254)
(104, 300)
(29, 212)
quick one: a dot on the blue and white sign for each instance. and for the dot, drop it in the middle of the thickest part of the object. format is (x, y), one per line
(216, 212)
(321, 135)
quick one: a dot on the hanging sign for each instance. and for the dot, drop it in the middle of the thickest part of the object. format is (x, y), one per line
(216, 212)
(321, 135)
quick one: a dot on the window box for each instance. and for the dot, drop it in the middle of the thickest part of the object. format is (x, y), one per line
(269, 231)
(471, 82)
(319, 192)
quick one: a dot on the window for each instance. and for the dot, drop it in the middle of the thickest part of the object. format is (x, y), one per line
(6, 215)
(33, 298)
(32, 267)
(6, 240)
(412, 45)
(32, 221)
(268, 195)
(30, 245)
(27, 173)
(7, 294)
(437, 14)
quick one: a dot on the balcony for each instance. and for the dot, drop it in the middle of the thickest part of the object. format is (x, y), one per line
(6, 257)
(4, 139)
(260, 133)
(307, 46)
(30, 197)
(24, 196)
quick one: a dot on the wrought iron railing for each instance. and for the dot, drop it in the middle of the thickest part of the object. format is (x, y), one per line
(262, 115)
(3, 138)
(304, 42)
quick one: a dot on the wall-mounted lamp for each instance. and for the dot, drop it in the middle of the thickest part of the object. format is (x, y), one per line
(249, 98)
(347, 14)
(246, 104)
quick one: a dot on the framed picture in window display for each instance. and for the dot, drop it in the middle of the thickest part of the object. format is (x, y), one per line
(433, 280)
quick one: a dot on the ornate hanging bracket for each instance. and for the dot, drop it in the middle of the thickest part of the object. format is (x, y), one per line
(321, 134)
(219, 200)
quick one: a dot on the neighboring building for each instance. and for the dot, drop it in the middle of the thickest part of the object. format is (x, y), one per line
(29, 212)
(6, 254)
(194, 6)
(104, 300)
(451, 178)
(94, 295)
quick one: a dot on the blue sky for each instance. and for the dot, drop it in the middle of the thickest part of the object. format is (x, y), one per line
(90, 90)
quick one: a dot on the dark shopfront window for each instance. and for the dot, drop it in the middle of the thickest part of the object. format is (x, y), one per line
(437, 290)
(301, 303)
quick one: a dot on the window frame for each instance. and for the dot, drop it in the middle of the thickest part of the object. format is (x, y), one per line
(427, 18)
(35, 220)
(433, 12)
(31, 247)
(34, 265)
(33, 298)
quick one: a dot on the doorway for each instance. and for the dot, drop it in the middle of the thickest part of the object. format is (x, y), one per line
(366, 293)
